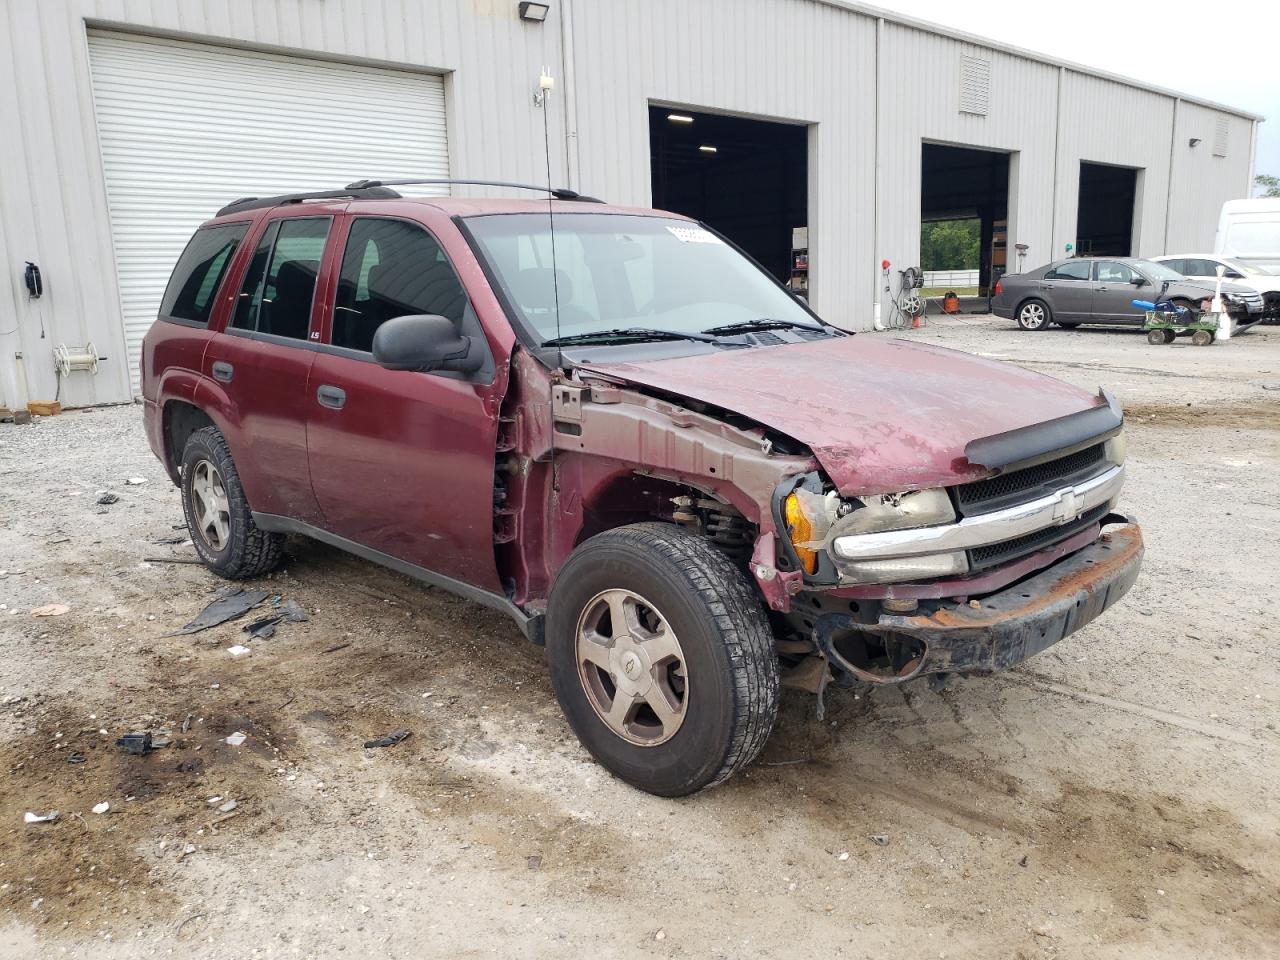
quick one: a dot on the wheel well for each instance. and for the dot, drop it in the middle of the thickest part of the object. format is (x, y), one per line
(1025, 300)
(636, 498)
(181, 420)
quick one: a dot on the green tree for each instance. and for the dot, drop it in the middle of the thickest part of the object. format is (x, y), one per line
(1269, 185)
(950, 244)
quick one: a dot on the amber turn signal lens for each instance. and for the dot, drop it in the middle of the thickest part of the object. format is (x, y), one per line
(800, 527)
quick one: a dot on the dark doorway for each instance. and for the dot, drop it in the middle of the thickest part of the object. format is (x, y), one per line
(746, 178)
(1104, 218)
(960, 184)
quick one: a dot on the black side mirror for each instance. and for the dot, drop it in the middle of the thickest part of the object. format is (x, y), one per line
(1138, 281)
(425, 342)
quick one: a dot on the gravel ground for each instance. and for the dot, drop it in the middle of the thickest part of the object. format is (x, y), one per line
(1114, 797)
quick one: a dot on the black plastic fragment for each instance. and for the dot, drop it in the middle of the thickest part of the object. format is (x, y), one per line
(390, 740)
(136, 744)
(229, 607)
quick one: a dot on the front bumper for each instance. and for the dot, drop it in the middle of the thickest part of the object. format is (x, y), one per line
(1002, 630)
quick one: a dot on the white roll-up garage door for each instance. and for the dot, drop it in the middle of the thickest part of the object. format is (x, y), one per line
(186, 128)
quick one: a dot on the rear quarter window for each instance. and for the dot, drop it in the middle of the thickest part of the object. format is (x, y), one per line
(199, 272)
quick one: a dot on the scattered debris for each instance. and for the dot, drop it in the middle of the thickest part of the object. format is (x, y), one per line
(239, 650)
(879, 839)
(168, 541)
(57, 540)
(186, 724)
(51, 610)
(263, 629)
(75, 758)
(660, 935)
(228, 806)
(229, 606)
(172, 560)
(136, 481)
(390, 740)
(108, 498)
(136, 744)
(102, 807)
(159, 740)
(335, 648)
(535, 861)
(49, 817)
(1025, 860)
(236, 739)
(843, 856)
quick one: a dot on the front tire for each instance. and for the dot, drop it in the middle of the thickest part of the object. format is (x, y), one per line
(1035, 315)
(662, 658)
(218, 515)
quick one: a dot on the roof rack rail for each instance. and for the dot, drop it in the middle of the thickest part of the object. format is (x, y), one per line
(560, 193)
(354, 192)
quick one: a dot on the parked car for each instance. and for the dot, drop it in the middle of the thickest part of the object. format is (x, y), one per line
(1102, 290)
(638, 445)
(1249, 230)
(1264, 280)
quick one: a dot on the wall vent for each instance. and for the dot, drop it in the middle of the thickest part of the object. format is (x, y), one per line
(1220, 137)
(975, 85)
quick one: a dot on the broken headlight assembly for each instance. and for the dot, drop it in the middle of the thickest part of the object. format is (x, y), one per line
(818, 522)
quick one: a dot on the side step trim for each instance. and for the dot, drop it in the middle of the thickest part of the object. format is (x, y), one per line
(530, 625)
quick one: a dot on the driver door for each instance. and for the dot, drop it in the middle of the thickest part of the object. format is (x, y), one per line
(402, 463)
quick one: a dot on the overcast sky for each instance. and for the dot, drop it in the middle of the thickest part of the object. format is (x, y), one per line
(1221, 51)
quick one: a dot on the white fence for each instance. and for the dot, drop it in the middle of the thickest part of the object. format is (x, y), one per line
(951, 278)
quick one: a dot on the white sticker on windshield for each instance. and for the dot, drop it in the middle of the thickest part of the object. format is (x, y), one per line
(694, 235)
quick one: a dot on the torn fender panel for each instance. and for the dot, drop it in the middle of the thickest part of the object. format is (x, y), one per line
(880, 415)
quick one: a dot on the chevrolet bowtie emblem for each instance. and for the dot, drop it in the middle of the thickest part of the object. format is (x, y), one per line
(1068, 506)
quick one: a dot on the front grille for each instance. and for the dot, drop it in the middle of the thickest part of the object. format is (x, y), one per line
(1030, 483)
(997, 553)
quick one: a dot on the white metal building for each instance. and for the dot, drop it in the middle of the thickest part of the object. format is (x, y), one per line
(127, 122)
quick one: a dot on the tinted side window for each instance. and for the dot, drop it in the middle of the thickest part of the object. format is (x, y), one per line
(1071, 270)
(280, 283)
(1202, 268)
(392, 268)
(195, 280)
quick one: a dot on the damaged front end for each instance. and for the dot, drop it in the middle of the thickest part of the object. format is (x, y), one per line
(972, 578)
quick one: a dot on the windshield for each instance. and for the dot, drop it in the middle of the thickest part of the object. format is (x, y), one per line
(1157, 271)
(617, 271)
(1255, 269)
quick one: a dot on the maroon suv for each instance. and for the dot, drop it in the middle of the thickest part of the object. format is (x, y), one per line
(614, 426)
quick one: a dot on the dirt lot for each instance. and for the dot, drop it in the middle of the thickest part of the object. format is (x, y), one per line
(1114, 797)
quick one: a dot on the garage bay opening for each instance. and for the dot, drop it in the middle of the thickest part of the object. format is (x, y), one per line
(746, 178)
(964, 204)
(1104, 218)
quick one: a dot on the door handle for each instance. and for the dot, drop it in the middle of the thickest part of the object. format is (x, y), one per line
(223, 371)
(332, 397)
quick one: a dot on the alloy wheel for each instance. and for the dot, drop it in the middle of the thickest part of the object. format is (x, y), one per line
(1032, 316)
(210, 506)
(632, 667)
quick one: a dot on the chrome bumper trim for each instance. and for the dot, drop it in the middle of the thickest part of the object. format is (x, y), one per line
(1054, 510)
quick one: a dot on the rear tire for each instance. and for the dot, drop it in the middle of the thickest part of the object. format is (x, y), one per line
(218, 515)
(1156, 336)
(1202, 338)
(710, 685)
(1034, 315)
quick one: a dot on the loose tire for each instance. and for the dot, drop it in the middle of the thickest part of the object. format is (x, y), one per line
(1035, 315)
(682, 693)
(218, 515)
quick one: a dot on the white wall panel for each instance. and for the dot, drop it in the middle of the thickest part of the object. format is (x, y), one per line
(1202, 183)
(775, 59)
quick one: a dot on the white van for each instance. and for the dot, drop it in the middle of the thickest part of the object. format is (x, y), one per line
(1249, 231)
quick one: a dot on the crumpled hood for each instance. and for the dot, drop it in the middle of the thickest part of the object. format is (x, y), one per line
(880, 415)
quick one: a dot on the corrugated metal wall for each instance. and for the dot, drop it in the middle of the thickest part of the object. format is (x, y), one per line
(52, 191)
(784, 60)
(814, 62)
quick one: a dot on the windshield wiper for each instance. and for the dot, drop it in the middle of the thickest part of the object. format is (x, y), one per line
(625, 335)
(764, 323)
